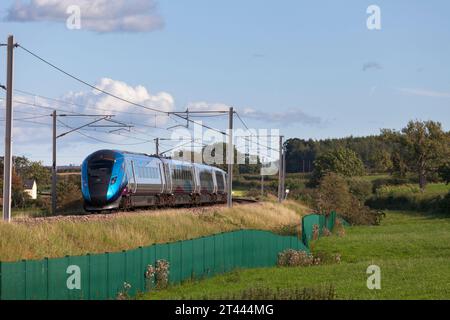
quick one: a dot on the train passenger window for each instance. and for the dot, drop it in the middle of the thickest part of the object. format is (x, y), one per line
(219, 179)
(206, 181)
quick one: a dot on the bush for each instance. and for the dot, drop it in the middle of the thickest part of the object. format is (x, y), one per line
(294, 258)
(360, 188)
(411, 202)
(334, 194)
(304, 195)
(69, 197)
(378, 183)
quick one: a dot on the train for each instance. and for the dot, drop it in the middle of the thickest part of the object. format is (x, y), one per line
(114, 180)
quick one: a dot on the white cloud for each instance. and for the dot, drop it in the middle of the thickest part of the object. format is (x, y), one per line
(96, 15)
(425, 93)
(32, 124)
(95, 101)
(205, 106)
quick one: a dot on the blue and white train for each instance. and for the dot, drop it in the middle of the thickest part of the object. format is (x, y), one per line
(122, 180)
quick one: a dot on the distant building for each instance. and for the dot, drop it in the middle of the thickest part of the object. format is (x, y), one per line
(30, 187)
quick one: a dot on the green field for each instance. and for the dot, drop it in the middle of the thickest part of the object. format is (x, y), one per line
(412, 250)
(431, 190)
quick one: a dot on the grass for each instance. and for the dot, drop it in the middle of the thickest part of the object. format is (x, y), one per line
(57, 237)
(374, 177)
(412, 250)
(431, 190)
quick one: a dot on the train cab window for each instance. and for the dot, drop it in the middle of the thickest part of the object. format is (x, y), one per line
(100, 167)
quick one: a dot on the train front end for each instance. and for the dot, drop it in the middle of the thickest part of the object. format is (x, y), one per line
(103, 180)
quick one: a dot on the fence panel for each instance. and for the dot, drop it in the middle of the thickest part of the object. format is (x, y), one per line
(175, 253)
(13, 285)
(218, 254)
(134, 275)
(187, 264)
(198, 257)
(77, 278)
(36, 280)
(57, 279)
(98, 286)
(116, 274)
(228, 248)
(209, 256)
(238, 248)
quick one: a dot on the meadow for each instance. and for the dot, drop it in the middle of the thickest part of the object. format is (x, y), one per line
(412, 250)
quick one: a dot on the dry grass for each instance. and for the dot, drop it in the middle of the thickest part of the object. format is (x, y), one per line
(39, 238)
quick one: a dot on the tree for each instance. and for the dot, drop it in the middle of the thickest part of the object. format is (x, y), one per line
(38, 172)
(422, 146)
(18, 196)
(342, 161)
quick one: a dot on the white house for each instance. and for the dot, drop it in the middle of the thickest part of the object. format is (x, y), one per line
(30, 187)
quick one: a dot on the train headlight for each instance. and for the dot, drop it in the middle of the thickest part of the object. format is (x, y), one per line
(113, 180)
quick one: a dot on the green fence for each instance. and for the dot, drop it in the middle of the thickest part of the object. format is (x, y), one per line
(102, 276)
(321, 221)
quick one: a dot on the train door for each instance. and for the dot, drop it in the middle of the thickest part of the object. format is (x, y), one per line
(163, 177)
(195, 173)
(213, 174)
(131, 174)
(168, 176)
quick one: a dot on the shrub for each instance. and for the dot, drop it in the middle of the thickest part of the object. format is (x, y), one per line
(124, 293)
(411, 202)
(334, 194)
(377, 183)
(360, 188)
(444, 172)
(294, 258)
(162, 274)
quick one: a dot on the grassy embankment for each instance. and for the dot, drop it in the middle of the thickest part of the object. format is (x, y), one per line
(36, 239)
(412, 250)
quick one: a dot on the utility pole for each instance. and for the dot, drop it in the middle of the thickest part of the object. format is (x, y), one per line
(280, 170)
(7, 163)
(284, 175)
(230, 159)
(54, 173)
(157, 146)
(262, 185)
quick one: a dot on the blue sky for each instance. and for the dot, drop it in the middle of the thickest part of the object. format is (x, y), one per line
(310, 68)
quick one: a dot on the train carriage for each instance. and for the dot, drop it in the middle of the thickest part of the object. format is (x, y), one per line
(117, 179)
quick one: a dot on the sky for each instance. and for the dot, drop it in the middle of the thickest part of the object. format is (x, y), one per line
(310, 69)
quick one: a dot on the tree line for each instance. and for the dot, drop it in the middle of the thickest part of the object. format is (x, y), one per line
(421, 149)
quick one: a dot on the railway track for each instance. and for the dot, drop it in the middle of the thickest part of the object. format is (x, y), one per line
(84, 216)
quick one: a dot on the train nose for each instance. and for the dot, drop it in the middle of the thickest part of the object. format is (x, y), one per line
(98, 187)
